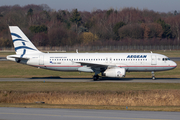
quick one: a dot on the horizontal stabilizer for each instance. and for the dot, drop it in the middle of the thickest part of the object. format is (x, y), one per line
(17, 57)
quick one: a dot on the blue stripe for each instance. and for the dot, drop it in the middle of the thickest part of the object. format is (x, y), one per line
(16, 35)
(24, 52)
(25, 47)
(19, 40)
(23, 43)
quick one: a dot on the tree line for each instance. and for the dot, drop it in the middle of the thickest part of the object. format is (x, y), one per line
(127, 26)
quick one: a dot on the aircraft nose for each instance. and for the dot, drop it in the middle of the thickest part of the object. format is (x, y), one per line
(174, 64)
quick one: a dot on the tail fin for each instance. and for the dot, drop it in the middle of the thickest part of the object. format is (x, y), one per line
(22, 44)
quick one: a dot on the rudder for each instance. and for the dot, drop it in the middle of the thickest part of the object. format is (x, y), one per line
(22, 44)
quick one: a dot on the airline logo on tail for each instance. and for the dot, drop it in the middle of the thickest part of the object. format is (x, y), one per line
(19, 38)
(22, 44)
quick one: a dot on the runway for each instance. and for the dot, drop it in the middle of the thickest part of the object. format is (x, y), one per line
(3, 59)
(81, 114)
(58, 79)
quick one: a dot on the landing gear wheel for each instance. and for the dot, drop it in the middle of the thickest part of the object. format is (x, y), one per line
(96, 77)
(153, 76)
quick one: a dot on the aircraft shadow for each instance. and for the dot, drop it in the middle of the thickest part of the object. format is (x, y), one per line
(136, 79)
(56, 77)
(102, 78)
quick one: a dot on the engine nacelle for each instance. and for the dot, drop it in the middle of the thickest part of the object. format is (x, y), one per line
(115, 72)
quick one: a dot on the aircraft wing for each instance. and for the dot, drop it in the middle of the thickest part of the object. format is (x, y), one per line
(96, 65)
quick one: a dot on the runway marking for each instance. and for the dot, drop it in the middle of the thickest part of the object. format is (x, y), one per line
(118, 118)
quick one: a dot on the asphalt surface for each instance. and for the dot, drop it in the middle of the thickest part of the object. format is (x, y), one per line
(3, 59)
(175, 58)
(58, 79)
(81, 114)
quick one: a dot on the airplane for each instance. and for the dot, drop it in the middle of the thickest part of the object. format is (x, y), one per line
(108, 64)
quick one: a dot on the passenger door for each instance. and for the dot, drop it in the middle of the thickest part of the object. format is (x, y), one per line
(153, 60)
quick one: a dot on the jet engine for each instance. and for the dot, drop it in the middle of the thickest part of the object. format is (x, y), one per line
(115, 72)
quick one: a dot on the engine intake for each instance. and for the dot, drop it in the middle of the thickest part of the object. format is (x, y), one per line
(115, 72)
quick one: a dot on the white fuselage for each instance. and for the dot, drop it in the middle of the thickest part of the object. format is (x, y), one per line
(74, 61)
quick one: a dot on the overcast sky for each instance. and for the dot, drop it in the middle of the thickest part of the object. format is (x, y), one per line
(89, 5)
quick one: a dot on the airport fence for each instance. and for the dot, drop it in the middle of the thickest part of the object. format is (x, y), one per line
(99, 48)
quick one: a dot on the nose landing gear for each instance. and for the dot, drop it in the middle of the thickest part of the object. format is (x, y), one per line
(153, 75)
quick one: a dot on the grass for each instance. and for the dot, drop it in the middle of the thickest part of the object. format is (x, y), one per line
(137, 96)
(4, 54)
(116, 96)
(10, 69)
(84, 86)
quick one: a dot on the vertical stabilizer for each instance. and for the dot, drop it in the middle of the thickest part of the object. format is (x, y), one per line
(22, 44)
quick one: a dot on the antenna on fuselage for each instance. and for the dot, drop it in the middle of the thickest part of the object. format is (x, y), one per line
(151, 52)
(76, 50)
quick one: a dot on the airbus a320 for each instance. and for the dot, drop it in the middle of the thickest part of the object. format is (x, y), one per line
(108, 64)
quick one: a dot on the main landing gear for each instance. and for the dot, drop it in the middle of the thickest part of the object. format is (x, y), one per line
(153, 75)
(96, 77)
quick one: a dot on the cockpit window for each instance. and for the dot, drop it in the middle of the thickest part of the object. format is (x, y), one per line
(165, 59)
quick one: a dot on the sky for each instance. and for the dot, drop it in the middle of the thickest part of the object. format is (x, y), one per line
(90, 5)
